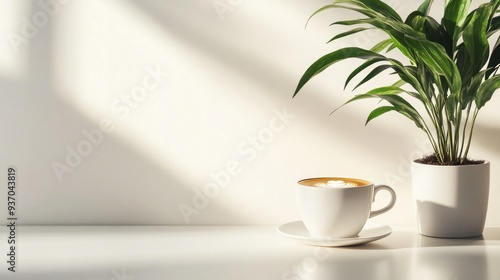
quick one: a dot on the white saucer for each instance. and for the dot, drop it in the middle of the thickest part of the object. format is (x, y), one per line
(371, 231)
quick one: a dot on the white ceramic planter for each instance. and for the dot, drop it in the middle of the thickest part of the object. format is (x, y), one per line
(451, 201)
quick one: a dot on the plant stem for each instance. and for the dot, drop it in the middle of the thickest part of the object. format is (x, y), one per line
(449, 140)
(457, 123)
(432, 140)
(470, 135)
(439, 126)
(465, 129)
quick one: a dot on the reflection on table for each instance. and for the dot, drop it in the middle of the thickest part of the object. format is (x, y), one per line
(226, 252)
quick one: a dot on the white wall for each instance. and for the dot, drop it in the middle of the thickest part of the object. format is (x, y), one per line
(176, 93)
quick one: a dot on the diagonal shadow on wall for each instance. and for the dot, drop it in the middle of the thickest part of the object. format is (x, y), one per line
(114, 184)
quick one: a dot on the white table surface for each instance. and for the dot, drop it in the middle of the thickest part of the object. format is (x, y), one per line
(236, 252)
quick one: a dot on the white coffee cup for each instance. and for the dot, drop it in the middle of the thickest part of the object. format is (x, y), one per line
(336, 207)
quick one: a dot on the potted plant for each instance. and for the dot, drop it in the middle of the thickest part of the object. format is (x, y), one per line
(449, 74)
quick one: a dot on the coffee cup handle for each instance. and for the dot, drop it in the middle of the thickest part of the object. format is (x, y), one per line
(391, 203)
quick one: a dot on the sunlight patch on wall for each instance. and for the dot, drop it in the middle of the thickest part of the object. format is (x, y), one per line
(111, 60)
(14, 18)
(103, 51)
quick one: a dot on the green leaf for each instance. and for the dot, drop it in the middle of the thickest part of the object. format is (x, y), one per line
(436, 60)
(416, 20)
(450, 104)
(333, 6)
(336, 6)
(425, 7)
(399, 83)
(396, 30)
(463, 62)
(496, 4)
(403, 107)
(347, 33)
(382, 8)
(375, 93)
(332, 58)
(425, 79)
(494, 59)
(402, 47)
(380, 46)
(486, 90)
(407, 74)
(454, 15)
(353, 21)
(388, 90)
(470, 91)
(433, 31)
(475, 37)
(390, 94)
(373, 73)
(378, 112)
(391, 47)
(361, 68)
(494, 26)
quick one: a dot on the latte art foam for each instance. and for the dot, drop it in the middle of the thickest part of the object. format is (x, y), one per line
(336, 184)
